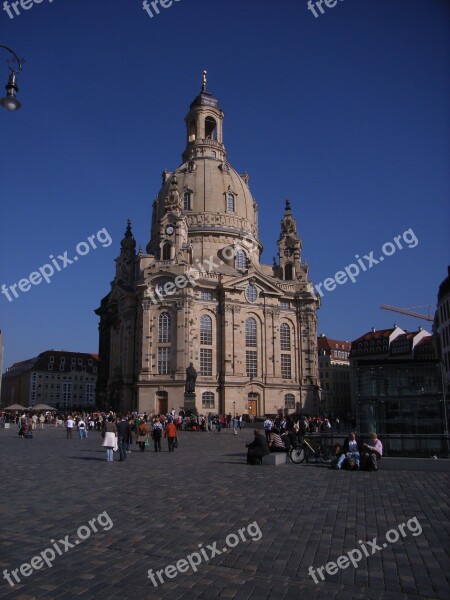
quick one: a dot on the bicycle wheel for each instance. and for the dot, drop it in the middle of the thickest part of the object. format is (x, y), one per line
(297, 455)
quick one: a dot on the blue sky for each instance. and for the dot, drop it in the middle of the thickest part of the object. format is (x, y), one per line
(346, 114)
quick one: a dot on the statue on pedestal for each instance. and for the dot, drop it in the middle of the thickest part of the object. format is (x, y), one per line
(191, 377)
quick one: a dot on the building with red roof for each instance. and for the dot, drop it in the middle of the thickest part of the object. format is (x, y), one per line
(334, 374)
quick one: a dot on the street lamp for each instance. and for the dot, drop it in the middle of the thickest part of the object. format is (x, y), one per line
(15, 65)
(234, 409)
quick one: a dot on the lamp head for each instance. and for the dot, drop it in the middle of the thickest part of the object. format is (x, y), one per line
(10, 101)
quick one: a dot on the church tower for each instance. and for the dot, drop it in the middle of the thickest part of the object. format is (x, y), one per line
(200, 295)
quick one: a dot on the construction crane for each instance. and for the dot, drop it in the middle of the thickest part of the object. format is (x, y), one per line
(407, 311)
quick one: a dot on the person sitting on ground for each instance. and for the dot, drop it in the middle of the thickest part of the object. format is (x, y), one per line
(350, 457)
(276, 444)
(337, 451)
(371, 453)
(257, 449)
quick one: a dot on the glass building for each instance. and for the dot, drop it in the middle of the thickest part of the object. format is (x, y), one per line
(400, 398)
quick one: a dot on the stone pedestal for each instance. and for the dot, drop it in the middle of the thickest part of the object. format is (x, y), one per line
(189, 402)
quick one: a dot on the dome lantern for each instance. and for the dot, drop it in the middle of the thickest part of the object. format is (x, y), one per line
(204, 127)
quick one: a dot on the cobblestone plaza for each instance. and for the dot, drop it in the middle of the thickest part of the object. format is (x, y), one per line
(163, 506)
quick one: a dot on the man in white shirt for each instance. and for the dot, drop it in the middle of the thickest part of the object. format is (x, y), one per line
(82, 429)
(268, 428)
(69, 427)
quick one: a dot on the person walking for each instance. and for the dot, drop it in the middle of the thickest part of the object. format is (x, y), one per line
(170, 433)
(157, 435)
(82, 429)
(130, 435)
(109, 438)
(142, 434)
(41, 421)
(69, 427)
(123, 432)
(235, 422)
(268, 424)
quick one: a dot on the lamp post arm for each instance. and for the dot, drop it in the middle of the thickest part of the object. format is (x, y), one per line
(16, 59)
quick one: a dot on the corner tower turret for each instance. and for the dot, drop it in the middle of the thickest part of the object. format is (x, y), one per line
(125, 262)
(289, 246)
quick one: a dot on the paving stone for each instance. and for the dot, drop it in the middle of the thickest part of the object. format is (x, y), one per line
(163, 506)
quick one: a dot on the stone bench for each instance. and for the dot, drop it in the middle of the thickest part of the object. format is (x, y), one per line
(275, 458)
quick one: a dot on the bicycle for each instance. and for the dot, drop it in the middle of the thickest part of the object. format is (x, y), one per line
(305, 449)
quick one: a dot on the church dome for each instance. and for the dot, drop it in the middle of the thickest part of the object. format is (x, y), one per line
(215, 199)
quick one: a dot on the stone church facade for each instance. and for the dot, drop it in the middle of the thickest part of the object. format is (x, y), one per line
(200, 295)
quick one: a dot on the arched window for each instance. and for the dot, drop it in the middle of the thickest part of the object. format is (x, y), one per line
(251, 292)
(206, 330)
(210, 128)
(187, 197)
(207, 400)
(286, 370)
(250, 332)
(166, 252)
(285, 336)
(289, 401)
(231, 204)
(240, 260)
(192, 130)
(164, 328)
(288, 272)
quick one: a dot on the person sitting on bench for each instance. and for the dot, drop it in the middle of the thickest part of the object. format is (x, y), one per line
(257, 449)
(276, 444)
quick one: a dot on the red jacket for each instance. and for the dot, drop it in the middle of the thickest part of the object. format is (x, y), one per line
(171, 430)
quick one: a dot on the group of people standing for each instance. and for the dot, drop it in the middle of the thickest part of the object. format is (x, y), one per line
(118, 434)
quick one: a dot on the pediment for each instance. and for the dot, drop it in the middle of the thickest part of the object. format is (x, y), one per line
(261, 282)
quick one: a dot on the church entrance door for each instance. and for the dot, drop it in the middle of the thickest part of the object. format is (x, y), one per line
(162, 403)
(253, 404)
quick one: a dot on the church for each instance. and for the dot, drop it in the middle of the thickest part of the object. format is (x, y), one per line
(196, 322)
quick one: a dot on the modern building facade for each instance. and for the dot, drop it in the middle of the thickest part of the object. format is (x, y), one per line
(199, 294)
(1, 361)
(334, 375)
(397, 389)
(443, 326)
(64, 380)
